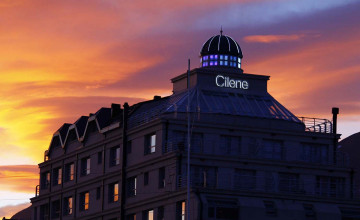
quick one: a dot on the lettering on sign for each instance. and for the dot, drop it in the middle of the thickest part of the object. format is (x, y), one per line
(227, 82)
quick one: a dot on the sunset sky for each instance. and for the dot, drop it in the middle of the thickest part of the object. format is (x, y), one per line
(63, 59)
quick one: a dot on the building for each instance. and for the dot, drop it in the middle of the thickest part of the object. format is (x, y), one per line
(251, 158)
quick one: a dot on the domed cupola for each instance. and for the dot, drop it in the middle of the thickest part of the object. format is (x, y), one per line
(221, 50)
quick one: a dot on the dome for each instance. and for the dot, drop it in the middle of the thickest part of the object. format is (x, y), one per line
(221, 44)
(221, 50)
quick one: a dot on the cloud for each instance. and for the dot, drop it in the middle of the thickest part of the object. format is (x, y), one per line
(272, 38)
(19, 178)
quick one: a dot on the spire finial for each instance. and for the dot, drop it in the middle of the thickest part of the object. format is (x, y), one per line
(221, 31)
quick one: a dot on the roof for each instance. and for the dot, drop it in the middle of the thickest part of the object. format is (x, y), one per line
(221, 44)
(212, 102)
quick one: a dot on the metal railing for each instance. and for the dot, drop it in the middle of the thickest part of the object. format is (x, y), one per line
(37, 190)
(316, 124)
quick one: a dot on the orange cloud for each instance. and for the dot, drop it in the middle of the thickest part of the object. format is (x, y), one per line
(19, 178)
(272, 38)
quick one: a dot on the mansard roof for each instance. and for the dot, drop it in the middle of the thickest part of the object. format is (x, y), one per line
(212, 102)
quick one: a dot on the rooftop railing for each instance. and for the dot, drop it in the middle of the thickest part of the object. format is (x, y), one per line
(317, 124)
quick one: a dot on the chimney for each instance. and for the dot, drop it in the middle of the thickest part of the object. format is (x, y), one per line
(115, 110)
(157, 97)
(335, 112)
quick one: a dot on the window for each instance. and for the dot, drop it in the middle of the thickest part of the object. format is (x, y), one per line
(84, 201)
(245, 179)
(197, 143)
(68, 206)
(162, 177)
(225, 144)
(150, 144)
(179, 140)
(113, 192)
(272, 149)
(160, 213)
(330, 186)
(270, 208)
(315, 153)
(98, 193)
(85, 166)
(309, 211)
(131, 187)
(35, 213)
(180, 210)
(148, 215)
(55, 209)
(115, 156)
(44, 212)
(129, 147)
(131, 217)
(289, 182)
(57, 176)
(203, 176)
(69, 172)
(146, 178)
(99, 157)
(45, 180)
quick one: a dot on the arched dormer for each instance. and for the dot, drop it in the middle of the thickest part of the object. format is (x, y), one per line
(57, 141)
(75, 132)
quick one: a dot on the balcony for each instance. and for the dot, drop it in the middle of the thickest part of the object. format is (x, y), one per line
(316, 125)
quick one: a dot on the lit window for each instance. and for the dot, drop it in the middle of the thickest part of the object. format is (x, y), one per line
(225, 63)
(226, 57)
(215, 56)
(221, 63)
(68, 206)
(183, 210)
(239, 60)
(45, 180)
(113, 192)
(205, 57)
(57, 175)
(211, 57)
(211, 63)
(84, 201)
(215, 63)
(221, 57)
(69, 172)
(239, 65)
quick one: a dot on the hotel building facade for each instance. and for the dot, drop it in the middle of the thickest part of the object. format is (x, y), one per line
(251, 158)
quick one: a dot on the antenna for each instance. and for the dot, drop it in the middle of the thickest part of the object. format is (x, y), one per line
(221, 31)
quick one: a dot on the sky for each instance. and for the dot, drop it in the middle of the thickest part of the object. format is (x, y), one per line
(63, 59)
